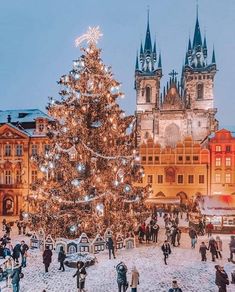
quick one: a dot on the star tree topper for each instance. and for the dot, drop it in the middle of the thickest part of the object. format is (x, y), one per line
(91, 36)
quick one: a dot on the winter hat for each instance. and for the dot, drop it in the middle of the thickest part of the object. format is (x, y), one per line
(174, 284)
(217, 267)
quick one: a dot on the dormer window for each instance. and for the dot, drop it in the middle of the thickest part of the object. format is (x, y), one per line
(148, 93)
(40, 127)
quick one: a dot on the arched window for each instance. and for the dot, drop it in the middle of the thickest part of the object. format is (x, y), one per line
(148, 93)
(200, 90)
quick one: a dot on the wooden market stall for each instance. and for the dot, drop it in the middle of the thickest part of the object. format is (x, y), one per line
(220, 211)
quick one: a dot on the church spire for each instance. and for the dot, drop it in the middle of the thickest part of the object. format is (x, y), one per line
(148, 42)
(160, 61)
(213, 61)
(197, 39)
(137, 62)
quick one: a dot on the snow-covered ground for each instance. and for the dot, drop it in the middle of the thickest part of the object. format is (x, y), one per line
(184, 265)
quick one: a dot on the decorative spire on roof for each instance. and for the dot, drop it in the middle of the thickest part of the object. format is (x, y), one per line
(137, 62)
(148, 42)
(189, 45)
(197, 39)
(160, 61)
(213, 61)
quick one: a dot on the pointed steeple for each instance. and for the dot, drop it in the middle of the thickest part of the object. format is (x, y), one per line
(197, 39)
(213, 61)
(160, 61)
(189, 45)
(154, 51)
(137, 62)
(148, 42)
(186, 59)
(204, 43)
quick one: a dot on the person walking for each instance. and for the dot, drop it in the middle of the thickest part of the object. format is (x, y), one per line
(15, 276)
(213, 248)
(219, 245)
(81, 276)
(203, 248)
(232, 248)
(166, 249)
(155, 231)
(193, 236)
(61, 258)
(175, 287)
(110, 245)
(178, 236)
(209, 229)
(16, 252)
(134, 279)
(121, 269)
(221, 278)
(47, 255)
(19, 227)
(24, 249)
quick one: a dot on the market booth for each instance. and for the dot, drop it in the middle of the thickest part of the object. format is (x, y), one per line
(220, 211)
(167, 203)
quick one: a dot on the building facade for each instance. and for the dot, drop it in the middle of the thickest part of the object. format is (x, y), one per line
(185, 107)
(176, 172)
(222, 149)
(22, 135)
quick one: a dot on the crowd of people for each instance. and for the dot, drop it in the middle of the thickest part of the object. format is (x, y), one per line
(147, 232)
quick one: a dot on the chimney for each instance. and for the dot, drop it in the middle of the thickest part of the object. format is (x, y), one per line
(9, 118)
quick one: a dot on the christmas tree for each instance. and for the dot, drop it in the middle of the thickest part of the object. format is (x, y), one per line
(89, 168)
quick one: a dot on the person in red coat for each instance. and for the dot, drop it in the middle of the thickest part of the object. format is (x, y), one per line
(47, 255)
(209, 228)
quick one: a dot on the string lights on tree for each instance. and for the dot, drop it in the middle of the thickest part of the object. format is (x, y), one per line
(89, 169)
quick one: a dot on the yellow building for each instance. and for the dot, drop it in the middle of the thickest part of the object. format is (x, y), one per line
(22, 135)
(176, 174)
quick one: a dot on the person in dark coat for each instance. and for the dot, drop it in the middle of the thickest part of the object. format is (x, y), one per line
(232, 247)
(203, 248)
(175, 287)
(213, 248)
(15, 276)
(221, 279)
(178, 236)
(61, 258)
(193, 236)
(166, 249)
(121, 269)
(81, 276)
(155, 230)
(110, 245)
(24, 249)
(47, 255)
(121, 277)
(19, 227)
(173, 235)
(16, 252)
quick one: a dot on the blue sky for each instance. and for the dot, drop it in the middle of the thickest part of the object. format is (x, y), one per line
(37, 44)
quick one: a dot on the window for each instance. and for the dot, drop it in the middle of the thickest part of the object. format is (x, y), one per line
(217, 177)
(148, 93)
(228, 161)
(180, 158)
(18, 176)
(180, 179)
(7, 150)
(150, 179)
(160, 179)
(46, 148)
(150, 158)
(228, 178)
(8, 180)
(200, 91)
(34, 149)
(195, 158)
(190, 179)
(143, 158)
(228, 148)
(34, 175)
(199, 124)
(156, 158)
(201, 179)
(187, 158)
(19, 150)
(218, 148)
(217, 161)
(40, 127)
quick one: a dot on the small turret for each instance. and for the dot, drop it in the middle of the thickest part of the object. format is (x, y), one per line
(213, 61)
(137, 62)
(205, 48)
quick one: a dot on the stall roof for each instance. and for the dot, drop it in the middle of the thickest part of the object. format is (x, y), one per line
(217, 205)
(163, 200)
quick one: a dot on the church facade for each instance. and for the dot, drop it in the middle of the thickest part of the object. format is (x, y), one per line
(185, 107)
